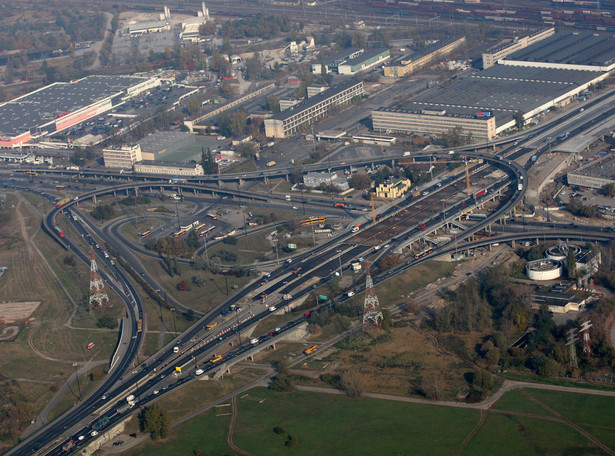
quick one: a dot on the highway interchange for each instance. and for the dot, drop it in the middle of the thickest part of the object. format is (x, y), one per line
(444, 200)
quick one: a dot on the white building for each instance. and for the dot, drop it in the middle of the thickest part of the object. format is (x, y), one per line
(169, 169)
(123, 157)
(317, 179)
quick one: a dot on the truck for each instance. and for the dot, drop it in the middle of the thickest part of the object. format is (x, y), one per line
(100, 423)
(287, 197)
(270, 164)
(175, 349)
(68, 445)
(123, 408)
(480, 193)
(62, 202)
(198, 372)
(287, 297)
(339, 205)
(534, 158)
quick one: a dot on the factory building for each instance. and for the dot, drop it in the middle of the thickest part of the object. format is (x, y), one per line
(409, 63)
(290, 121)
(331, 62)
(507, 47)
(568, 50)
(484, 104)
(122, 157)
(144, 27)
(368, 59)
(61, 105)
(315, 180)
(169, 169)
(596, 174)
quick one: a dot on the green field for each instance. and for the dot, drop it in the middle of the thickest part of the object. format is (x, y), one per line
(323, 425)
(333, 425)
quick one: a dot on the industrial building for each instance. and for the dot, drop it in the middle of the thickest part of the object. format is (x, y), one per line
(544, 269)
(190, 26)
(557, 302)
(507, 47)
(315, 180)
(331, 62)
(143, 27)
(61, 105)
(364, 61)
(157, 145)
(292, 120)
(169, 169)
(122, 157)
(595, 174)
(484, 104)
(568, 50)
(409, 63)
(393, 188)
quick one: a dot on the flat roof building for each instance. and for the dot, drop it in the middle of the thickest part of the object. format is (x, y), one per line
(122, 157)
(332, 61)
(143, 27)
(61, 105)
(159, 144)
(315, 180)
(292, 120)
(484, 104)
(409, 63)
(568, 50)
(503, 49)
(169, 169)
(365, 61)
(596, 174)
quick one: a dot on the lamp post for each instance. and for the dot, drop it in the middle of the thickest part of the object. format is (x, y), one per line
(174, 325)
(77, 376)
(339, 257)
(224, 271)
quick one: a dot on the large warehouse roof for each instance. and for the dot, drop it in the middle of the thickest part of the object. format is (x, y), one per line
(45, 105)
(572, 48)
(503, 90)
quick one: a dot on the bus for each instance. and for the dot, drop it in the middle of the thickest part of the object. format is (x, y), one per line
(201, 227)
(140, 325)
(145, 234)
(420, 255)
(211, 229)
(311, 220)
(60, 187)
(212, 215)
(179, 234)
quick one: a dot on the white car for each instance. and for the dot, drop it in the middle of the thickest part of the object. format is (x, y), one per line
(272, 309)
(254, 341)
(94, 433)
(156, 391)
(350, 294)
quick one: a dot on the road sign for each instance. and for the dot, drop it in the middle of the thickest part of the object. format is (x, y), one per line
(292, 246)
(323, 298)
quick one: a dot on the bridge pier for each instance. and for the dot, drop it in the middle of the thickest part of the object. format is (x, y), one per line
(136, 192)
(286, 178)
(114, 194)
(240, 182)
(512, 244)
(272, 345)
(220, 183)
(94, 199)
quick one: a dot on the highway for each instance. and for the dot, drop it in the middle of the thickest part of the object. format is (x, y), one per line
(199, 344)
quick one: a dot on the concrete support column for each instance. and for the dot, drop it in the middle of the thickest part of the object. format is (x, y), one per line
(114, 194)
(513, 243)
(286, 178)
(241, 182)
(136, 192)
(94, 199)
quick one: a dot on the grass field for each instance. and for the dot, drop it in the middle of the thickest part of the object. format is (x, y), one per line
(323, 424)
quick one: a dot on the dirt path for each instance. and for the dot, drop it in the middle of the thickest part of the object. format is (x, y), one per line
(23, 230)
(231, 429)
(471, 435)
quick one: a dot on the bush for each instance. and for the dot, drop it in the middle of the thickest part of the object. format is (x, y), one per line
(278, 430)
(106, 322)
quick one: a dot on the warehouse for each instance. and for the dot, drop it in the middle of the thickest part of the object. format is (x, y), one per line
(163, 143)
(568, 50)
(484, 104)
(290, 121)
(331, 62)
(365, 61)
(61, 105)
(596, 174)
(409, 63)
(169, 169)
(504, 49)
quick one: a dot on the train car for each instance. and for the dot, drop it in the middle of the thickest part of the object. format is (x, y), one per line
(140, 325)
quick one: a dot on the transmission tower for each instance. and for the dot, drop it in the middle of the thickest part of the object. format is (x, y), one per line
(98, 295)
(585, 331)
(573, 350)
(372, 314)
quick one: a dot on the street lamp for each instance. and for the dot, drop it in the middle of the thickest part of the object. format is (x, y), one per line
(77, 376)
(276, 252)
(339, 257)
(174, 325)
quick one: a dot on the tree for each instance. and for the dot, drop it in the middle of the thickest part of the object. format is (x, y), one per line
(272, 103)
(207, 161)
(519, 119)
(360, 181)
(571, 264)
(609, 189)
(239, 120)
(193, 107)
(156, 420)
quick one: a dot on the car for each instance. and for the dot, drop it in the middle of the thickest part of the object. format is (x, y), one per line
(94, 433)
(81, 437)
(156, 391)
(295, 208)
(350, 294)
(272, 309)
(165, 387)
(272, 333)
(104, 396)
(278, 329)
(254, 341)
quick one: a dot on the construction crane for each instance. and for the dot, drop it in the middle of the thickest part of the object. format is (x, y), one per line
(386, 201)
(465, 162)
